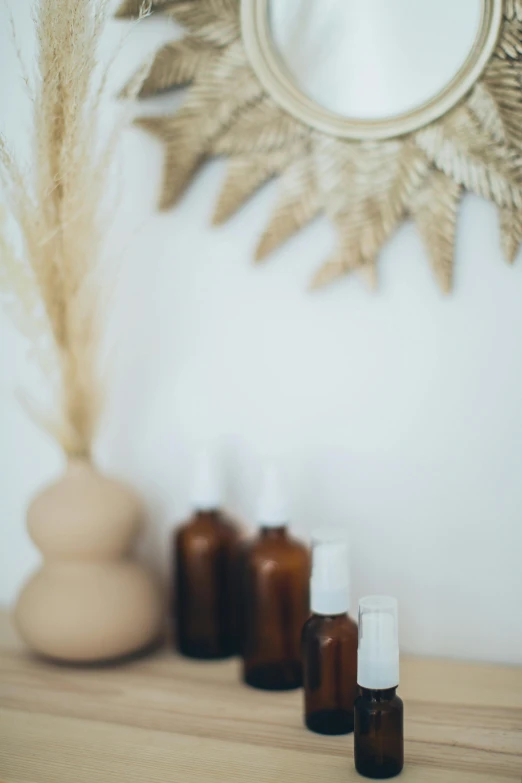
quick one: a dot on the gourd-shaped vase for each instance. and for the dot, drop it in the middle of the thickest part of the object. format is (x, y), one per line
(90, 600)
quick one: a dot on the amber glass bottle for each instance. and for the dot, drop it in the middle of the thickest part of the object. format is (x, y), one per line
(379, 733)
(329, 644)
(276, 572)
(205, 557)
(378, 725)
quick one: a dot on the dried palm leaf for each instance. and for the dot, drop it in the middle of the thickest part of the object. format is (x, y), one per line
(434, 209)
(366, 189)
(245, 175)
(457, 146)
(503, 83)
(179, 168)
(513, 10)
(511, 232)
(344, 260)
(215, 21)
(263, 127)
(510, 40)
(176, 64)
(298, 203)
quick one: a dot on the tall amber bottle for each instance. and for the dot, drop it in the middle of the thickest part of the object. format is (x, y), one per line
(330, 644)
(378, 729)
(205, 557)
(276, 572)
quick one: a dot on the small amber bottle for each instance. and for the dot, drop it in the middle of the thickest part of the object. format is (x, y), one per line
(378, 730)
(276, 573)
(205, 555)
(329, 644)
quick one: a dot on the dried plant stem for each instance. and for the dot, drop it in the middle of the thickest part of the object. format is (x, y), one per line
(57, 203)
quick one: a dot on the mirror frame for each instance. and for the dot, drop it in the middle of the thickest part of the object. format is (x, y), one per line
(276, 79)
(466, 139)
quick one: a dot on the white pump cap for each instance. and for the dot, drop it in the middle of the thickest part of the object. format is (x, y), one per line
(378, 654)
(272, 509)
(330, 583)
(206, 485)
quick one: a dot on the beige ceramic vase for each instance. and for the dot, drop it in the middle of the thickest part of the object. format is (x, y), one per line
(90, 600)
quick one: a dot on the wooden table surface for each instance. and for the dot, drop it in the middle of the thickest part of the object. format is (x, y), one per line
(163, 719)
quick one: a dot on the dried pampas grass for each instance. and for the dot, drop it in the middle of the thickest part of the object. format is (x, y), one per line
(57, 202)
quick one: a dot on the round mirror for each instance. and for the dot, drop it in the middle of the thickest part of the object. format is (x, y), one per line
(369, 68)
(370, 60)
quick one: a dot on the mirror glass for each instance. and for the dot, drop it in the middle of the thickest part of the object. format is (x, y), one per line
(373, 59)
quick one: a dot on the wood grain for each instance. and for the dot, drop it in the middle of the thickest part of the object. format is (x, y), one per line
(163, 718)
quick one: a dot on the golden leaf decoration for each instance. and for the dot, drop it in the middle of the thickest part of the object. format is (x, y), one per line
(215, 21)
(458, 146)
(176, 64)
(179, 169)
(383, 178)
(245, 175)
(434, 209)
(366, 189)
(334, 268)
(263, 128)
(511, 232)
(343, 261)
(206, 111)
(486, 111)
(513, 10)
(502, 80)
(298, 203)
(510, 40)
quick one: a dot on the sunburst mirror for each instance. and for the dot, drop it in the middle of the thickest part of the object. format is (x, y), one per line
(370, 112)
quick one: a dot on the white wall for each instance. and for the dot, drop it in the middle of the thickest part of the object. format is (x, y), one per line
(395, 414)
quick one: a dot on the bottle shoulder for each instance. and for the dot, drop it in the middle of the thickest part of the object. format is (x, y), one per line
(281, 550)
(325, 627)
(372, 703)
(211, 526)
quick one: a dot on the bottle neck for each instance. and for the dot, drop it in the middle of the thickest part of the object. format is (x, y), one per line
(207, 514)
(331, 615)
(371, 694)
(277, 533)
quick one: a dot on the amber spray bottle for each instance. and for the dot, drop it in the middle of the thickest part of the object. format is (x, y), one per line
(205, 555)
(378, 731)
(276, 573)
(329, 643)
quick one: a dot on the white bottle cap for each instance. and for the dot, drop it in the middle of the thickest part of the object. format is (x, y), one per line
(378, 653)
(206, 485)
(272, 509)
(330, 582)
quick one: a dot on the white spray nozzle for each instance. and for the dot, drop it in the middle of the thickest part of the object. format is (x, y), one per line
(206, 484)
(272, 509)
(378, 654)
(330, 582)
